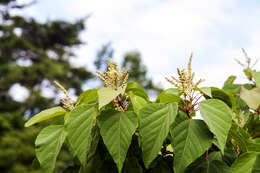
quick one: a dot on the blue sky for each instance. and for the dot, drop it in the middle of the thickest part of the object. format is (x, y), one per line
(165, 32)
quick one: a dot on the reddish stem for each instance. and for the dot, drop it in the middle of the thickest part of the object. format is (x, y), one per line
(256, 136)
(207, 154)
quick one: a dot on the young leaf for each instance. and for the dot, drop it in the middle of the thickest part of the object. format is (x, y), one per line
(190, 139)
(244, 163)
(218, 117)
(106, 95)
(170, 95)
(45, 115)
(256, 76)
(48, 144)
(205, 91)
(87, 96)
(230, 80)
(251, 97)
(117, 129)
(156, 120)
(137, 90)
(79, 125)
(138, 103)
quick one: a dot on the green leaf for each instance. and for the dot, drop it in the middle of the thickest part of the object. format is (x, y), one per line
(256, 168)
(248, 73)
(138, 103)
(218, 117)
(256, 76)
(205, 90)
(216, 155)
(137, 90)
(240, 137)
(106, 95)
(117, 129)
(45, 115)
(48, 144)
(232, 88)
(252, 146)
(230, 80)
(170, 95)
(79, 125)
(156, 120)
(214, 166)
(251, 97)
(244, 163)
(190, 139)
(226, 97)
(87, 96)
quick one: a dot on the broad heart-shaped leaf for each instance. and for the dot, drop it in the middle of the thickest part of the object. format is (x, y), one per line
(48, 144)
(170, 95)
(218, 116)
(244, 163)
(87, 96)
(251, 97)
(117, 129)
(190, 139)
(79, 125)
(45, 115)
(155, 123)
(106, 95)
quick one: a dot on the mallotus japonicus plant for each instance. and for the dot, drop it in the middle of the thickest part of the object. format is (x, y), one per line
(117, 128)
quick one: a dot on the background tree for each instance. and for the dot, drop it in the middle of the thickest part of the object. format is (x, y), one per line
(138, 72)
(32, 55)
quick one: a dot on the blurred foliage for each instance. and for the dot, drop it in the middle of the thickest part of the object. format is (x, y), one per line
(32, 53)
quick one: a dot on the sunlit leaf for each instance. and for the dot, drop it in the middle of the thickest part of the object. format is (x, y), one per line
(244, 163)
(190, 139)
(218, 116)
(106, 95)
(156, 120)
(117, 129)
(45, 115)
(79, 125)
(251, 97)
(48, 144)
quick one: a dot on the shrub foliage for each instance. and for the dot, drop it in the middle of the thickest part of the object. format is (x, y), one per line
(116, 128)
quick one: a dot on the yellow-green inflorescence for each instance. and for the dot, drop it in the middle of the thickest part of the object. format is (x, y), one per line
(114, 79)
(185, 84)
(67, 103)
(185, 81)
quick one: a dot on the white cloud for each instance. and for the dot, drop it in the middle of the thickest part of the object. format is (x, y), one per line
(165, 32)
